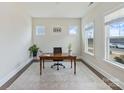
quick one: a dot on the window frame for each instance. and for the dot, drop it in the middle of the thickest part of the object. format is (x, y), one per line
(107, 40)
(43, 28)
(73, 26)
(85, 42)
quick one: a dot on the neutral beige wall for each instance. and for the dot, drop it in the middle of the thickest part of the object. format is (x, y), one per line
(62, 39)
(113, 72)
(15, 38)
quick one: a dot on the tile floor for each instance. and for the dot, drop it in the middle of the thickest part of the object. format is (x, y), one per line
(64, 79)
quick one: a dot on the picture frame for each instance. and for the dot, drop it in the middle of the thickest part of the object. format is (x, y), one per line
(57, 29)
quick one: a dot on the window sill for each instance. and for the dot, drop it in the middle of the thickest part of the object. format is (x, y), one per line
(91, 54)
(119, 65)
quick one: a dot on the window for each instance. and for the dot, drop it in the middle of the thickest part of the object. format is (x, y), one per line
(89, 38)
(114, 26)
(73, 30)
(40, 30)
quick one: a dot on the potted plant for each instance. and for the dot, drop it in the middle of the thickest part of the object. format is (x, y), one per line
(33, 50)
(69, 49)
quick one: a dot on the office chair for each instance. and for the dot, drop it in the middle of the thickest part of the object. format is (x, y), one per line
(57, 50)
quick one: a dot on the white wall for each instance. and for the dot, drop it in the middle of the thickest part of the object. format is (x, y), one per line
(52, 39)
(15, 38)
(113, 72)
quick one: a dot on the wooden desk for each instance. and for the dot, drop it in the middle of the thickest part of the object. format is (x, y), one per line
(50, 56)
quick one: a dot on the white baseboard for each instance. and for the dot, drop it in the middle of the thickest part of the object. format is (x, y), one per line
(14, 72)
(110, 77)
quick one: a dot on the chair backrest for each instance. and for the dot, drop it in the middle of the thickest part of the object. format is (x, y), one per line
(57, 50)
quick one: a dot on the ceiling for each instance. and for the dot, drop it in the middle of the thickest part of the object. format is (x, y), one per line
(57, 9)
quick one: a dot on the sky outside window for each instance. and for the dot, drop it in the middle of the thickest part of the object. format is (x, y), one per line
(117, 29)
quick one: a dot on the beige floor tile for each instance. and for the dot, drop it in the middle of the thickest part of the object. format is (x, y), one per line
(64, 79)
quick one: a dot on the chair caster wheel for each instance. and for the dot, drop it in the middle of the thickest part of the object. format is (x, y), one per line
(64, 67)
(57, 69)
(51, 66)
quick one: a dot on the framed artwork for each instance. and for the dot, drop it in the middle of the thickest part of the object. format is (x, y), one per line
(57, 29)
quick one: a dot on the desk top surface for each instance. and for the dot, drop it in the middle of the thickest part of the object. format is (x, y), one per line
(56, 55)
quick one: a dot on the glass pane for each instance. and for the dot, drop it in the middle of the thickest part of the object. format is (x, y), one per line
(115, 38)
(73, 30)
(116, 44)
(40, 30)
(89, 36)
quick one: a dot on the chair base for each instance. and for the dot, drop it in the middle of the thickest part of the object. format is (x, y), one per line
(57, 64)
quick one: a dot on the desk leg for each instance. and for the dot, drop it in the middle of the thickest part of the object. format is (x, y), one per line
(74, 66)
(71, 63)
(43, 64)
(40, 67)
